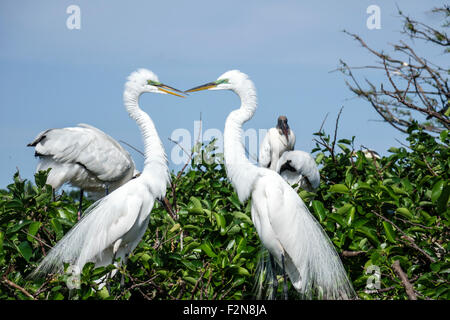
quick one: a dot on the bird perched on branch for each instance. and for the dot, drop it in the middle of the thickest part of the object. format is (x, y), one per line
(285, 226)
(85, 157)
(113, 226)
(275, 143)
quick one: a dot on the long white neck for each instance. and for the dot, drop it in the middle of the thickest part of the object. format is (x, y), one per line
(241, 172)
(155, 163)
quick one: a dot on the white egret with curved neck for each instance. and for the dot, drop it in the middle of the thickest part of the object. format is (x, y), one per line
(299, 168)
(85, 157)
(113, 226)
(284, 224)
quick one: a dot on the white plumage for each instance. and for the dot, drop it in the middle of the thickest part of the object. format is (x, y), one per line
(284, 224)
(84, 157)
(113, 226)
(273, 146)
(299, 167)
(369, 154)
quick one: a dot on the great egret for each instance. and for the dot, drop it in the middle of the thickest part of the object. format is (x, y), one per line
(299, 167)
(113, 226)
(275, 143)
(84, 157)
(284, 224)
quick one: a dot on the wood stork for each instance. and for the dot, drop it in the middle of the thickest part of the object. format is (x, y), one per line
(275, 143)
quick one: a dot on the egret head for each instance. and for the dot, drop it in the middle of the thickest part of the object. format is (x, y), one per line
(283, 127)
(144, 80)
(230, 80)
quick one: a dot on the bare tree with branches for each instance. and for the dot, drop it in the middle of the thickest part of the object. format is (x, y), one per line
(415, 90)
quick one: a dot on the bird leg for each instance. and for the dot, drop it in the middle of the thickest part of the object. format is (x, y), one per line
(108, 287)
(285, 287)
(115, 250)
(106, 190)
(80, 207)
(275, 280)
(122, 279)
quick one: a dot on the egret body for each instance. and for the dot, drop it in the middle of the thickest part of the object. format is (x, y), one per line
(85, 157)
(113, 226)
(284, 224)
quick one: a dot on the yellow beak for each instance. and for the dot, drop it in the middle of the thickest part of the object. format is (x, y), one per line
(206, 86)
(168, 89)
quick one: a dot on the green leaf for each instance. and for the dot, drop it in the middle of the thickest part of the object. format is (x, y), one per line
(442, 202)
(242, 216)
(56, 225)
(319, 209)
(221, 222)
(18, 226)
(319, 158)
(390, 232)
(405, 212)
(369, 233)
(338, 188)
(351, 216)
(339, 219)
(25, 250)
(190, 280)
(235, 201)
(175, 227)
(243, 272)
(344, 209)
(207, 248)
(33, 229)
(437, 190)
(2, 237)
(197, 206)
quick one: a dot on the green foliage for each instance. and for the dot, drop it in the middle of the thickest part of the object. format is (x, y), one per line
(388, 209)
(207, 250)
(203, 244)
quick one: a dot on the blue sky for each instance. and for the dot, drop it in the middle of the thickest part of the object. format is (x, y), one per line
(51, 76)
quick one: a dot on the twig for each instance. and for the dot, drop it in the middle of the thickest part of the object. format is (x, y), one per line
(207, 285)
(16, 286)
(335, 130)
(134, 148)
(39, 240)
(428, 166)
(183, 287)
(410, 240)
(198, 280)
(173, 184)
(347, 253)
(405, 282)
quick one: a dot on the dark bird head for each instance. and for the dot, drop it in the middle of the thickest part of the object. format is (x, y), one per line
(283, 126)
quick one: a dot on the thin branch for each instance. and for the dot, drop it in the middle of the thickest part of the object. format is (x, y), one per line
(134, 148)
(410, 240)
(349, 254)
(405, 282)
(16, 286)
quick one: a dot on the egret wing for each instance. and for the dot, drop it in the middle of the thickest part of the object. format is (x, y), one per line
(105, 222)
(312, 262)
(88, 147)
